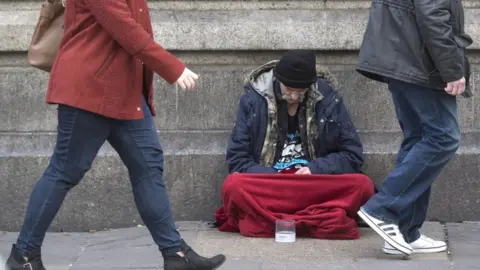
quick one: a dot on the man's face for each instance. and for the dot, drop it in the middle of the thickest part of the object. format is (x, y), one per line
(293, 95)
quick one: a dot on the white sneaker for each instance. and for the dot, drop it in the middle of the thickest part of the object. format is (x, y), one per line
(423, 244)
(389, 232)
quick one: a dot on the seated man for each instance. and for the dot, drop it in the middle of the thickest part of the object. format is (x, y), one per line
(293, 154)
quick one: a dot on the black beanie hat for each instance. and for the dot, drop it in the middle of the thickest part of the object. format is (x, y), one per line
(297, 69)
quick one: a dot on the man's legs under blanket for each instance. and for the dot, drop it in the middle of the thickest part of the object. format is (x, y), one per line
(323, 206)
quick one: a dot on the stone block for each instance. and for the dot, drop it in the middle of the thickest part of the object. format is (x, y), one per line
(454, 194)
(476, 86)
(194, 172)
(461, 187)
(212, 105)
(173, 142)
(245, 26)
(370, 103)
(104, 200)
(22, 103)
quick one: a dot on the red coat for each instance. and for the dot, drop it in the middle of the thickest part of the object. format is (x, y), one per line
(107, 57)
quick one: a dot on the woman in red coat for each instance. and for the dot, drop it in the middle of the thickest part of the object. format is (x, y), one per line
(102, 82)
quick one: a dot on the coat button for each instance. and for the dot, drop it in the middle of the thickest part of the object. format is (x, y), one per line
(138, 109)
(141, 10)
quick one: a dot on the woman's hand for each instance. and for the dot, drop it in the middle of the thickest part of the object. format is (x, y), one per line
(187, 80)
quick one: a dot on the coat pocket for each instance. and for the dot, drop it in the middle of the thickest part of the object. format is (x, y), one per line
(106, 64)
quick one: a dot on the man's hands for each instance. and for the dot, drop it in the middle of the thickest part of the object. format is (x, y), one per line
(456, 88)
(187, 80)
(303, 170)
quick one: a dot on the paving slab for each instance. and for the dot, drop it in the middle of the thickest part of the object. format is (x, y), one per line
(464, 242)
(124, 248)
(59, 252)
(400, 264)
(317, 254)
(133, 248)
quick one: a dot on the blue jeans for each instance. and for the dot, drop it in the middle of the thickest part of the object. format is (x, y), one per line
(80, 136)
(429, 121)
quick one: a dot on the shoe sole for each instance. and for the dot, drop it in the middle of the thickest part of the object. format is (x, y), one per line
(221, 263)
(416, 251)
(393, 243)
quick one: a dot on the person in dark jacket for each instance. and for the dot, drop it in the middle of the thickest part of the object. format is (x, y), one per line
(291, 120)
(417, 47)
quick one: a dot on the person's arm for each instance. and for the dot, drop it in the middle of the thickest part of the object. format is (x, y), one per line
(117, 19)
(436, 30)
(348, 158)
(239, 150)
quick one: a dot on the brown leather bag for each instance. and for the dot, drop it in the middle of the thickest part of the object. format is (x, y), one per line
(47, 35)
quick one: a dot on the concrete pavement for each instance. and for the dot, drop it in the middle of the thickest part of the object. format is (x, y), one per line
(132, 248)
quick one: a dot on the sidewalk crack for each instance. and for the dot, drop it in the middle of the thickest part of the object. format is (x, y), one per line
(447, 241)
(82, 251)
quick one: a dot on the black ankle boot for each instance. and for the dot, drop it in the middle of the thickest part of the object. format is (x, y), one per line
(18, 260)
(191, 261)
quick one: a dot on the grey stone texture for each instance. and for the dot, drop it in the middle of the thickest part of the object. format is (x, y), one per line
(246, 25)
(133, 248)
(464, 240)
(222, 41)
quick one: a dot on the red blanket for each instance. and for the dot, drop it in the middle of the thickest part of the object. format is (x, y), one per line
(323, 206)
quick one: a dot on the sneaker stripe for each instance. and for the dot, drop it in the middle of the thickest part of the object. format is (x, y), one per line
(381, 232)
(433, 246)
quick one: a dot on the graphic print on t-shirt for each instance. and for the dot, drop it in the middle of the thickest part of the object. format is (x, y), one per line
(293, 156)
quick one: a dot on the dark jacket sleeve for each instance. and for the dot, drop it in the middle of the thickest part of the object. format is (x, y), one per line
(239, 150)
(117, 19)
(436, 30)
(348, 157)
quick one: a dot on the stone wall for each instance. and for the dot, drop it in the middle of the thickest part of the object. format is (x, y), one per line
(222, 41)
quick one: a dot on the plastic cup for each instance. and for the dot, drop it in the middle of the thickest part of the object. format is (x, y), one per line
(285, 231)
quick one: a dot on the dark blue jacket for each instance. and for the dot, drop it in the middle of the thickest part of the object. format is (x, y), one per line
(338, 149)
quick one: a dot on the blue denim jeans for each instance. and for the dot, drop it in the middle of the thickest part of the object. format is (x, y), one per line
(429, 121)
(80, 136)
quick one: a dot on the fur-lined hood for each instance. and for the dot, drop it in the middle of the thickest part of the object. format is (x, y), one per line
(261, 79)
